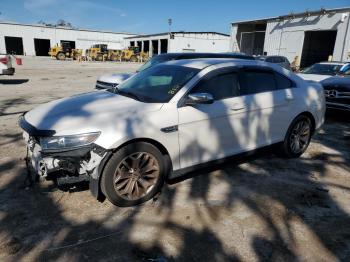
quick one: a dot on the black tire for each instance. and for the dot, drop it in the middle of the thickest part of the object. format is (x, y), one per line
(108, 184)
(114, 58)
(287, 148)
(133, 59)
(99, 57)
(61, 56)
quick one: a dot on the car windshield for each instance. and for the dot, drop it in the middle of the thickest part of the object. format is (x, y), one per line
(157, 84)
(154, 61)
(322, 69)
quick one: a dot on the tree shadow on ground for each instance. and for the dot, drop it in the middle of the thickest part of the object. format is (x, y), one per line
(39, 225)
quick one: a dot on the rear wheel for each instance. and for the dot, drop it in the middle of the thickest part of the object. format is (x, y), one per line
(114, 58)
(298, 137)
(133, 58)
(133, 175)
(99, 57)
(61, 56)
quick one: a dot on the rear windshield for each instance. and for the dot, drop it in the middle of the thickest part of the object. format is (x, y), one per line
(322, 69)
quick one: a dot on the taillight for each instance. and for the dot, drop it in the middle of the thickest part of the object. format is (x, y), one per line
(18, 61)
(4, 60)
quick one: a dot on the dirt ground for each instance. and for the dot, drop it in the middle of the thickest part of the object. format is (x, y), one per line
(261, 208)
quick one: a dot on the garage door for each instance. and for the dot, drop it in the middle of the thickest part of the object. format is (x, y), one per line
(42, 46)
(14, 45)
(291, 44)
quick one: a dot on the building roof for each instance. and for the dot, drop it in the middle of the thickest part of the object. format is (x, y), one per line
(65, 28)
(174, 33)
(295, 15)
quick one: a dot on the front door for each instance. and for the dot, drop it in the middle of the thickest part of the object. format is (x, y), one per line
(213, 131)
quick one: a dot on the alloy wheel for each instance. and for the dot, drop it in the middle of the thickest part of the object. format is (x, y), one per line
(300, 136)
(136, 175)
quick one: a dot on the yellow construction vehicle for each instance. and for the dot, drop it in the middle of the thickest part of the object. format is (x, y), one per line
(97, 52)
(100, 52)
(133, 54)
(114, 55)
(61, 52)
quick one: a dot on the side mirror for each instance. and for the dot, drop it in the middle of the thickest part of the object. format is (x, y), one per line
(199, 98)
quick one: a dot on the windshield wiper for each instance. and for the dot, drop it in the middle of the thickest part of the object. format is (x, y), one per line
(128, 94)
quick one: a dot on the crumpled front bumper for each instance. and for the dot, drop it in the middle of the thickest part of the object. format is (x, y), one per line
(65, 166)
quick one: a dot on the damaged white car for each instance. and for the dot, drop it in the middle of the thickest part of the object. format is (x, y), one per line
(167, 120)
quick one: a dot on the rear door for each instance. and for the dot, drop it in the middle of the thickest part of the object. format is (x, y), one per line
(267, 100)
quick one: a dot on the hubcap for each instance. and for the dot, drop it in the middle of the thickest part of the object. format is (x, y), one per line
(300, 136)
(136, 175)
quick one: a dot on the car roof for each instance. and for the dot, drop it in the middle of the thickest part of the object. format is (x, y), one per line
(331, 63)
(202, 63)
(266, 56)
(204, 55)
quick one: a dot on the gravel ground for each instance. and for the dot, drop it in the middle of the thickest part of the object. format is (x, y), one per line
(261, 208)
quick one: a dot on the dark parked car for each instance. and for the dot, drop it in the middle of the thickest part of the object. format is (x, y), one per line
(112, 80)
(345, 70)
(337, 92)
(276, 59)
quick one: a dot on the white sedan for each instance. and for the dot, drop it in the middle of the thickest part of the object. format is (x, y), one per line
(6, 67)
(170, 119)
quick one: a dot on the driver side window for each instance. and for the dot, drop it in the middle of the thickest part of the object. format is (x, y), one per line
(220, 86)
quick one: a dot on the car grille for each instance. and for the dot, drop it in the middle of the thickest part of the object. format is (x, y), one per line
(336, 94)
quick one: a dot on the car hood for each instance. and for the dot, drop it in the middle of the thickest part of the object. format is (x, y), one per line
(341, 84)
(89, 112)
(115, 78)
(313, 77)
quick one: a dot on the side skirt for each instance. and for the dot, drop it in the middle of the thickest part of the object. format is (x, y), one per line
(188, 172)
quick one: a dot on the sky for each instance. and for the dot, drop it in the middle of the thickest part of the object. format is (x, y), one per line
(151, 16)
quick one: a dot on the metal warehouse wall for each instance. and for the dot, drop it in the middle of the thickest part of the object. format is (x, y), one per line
(190, 42)
(199, 43)
(83, 38)
(287, 37)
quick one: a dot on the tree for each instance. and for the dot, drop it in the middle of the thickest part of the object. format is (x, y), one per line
(60, 22)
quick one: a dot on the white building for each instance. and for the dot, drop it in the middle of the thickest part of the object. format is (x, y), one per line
(307, 37)
(181, 42)
(22, 39)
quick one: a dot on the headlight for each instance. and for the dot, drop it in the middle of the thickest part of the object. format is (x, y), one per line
(67, 142)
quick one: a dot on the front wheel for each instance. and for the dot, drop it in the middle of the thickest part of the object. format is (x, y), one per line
(133, 175)
(61, 56)
(298, 137)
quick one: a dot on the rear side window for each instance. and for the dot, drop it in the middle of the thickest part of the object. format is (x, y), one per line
(221, 86)
(258, 81)
(283, 82)
(279, 59)
(270, 60)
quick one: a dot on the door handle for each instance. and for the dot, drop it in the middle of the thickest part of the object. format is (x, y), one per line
(237, 108)
(289, 97)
